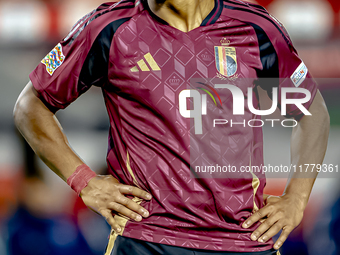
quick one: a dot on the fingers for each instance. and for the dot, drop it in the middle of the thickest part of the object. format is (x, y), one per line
(128, 203)
(267, 229)
(125, 207)
(283, 237)
(106, 195)
(109, 218)
(279, 213)
(134, 191)
(124, 211)
(256, 217)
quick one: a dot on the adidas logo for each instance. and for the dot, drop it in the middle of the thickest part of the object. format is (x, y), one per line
(143, 66)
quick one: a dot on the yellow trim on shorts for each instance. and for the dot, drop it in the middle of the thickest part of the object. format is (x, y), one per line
(121, 220)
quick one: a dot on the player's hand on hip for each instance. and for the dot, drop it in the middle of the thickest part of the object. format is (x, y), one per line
(106, 196)
(279, 213)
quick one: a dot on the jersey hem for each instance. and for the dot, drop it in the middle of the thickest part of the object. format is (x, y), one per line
(186, 240)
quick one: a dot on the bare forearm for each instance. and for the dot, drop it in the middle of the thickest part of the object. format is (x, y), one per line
(43, 132)
(308, 146)
(103, 194)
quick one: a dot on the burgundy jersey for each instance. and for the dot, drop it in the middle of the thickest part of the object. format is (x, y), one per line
(143, 65)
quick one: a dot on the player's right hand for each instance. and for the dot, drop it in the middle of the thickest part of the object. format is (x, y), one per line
(106, 196)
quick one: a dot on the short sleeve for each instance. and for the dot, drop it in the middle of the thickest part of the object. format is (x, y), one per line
(74, 64)
(283, 68)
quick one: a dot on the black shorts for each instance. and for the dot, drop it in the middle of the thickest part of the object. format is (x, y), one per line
(129, 246)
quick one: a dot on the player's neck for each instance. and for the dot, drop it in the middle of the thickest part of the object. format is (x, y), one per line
(184, 15)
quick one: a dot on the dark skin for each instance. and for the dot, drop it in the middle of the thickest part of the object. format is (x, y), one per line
(105, 195)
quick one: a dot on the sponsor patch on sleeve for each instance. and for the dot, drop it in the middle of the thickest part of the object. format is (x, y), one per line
(299, 75)
(54, 59)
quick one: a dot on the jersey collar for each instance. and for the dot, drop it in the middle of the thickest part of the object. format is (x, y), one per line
(209, 20)
(214, 14)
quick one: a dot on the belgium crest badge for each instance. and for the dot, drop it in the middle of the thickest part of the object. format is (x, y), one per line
(225, 59)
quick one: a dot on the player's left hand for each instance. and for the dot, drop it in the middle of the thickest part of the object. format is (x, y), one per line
(279, 213)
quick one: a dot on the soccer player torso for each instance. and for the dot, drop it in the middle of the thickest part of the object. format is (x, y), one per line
(151, 63)
(179, 113)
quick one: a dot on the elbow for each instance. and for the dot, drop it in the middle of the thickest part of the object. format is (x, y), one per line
(320, 116)
(23, 107)
(322, 125)
(325, 120)
(20, 113)
(327, 123)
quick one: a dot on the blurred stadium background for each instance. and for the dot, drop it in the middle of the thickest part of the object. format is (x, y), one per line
(39, 214)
